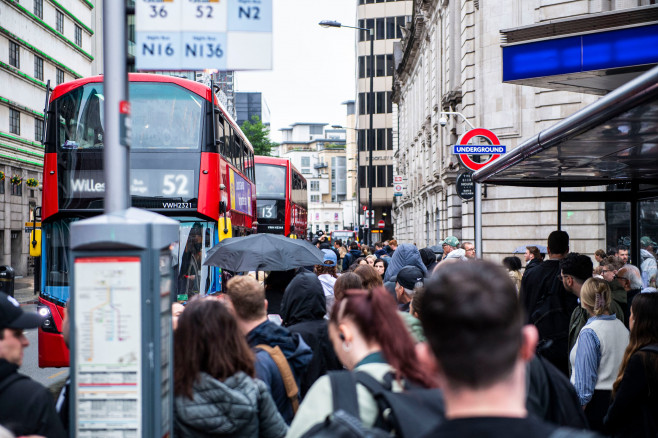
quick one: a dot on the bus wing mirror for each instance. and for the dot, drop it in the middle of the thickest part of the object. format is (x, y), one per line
(222, 207)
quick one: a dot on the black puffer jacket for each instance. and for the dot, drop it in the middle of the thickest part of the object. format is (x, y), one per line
(303, 309)
(237, 407)
(429, 260)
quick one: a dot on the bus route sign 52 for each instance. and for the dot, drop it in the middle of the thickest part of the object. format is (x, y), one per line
(203, 34)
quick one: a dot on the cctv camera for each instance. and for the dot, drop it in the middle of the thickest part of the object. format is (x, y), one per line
(443, 121)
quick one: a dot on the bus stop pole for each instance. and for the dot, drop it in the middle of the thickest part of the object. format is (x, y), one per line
(117, 109)
(477, 220)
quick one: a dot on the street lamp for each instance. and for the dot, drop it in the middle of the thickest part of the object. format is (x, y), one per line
(371, 109)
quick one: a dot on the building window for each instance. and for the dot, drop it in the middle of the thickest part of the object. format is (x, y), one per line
(380, 28)
(381, 139)
(306, 161)
(38, 129)
(362, 67)
(315, 198)
(2, 187)
(78, 35)
(38, 8)
(370, 25)
(326, 228)
(380, 65)
(390, 28)
(316, 129)
(389, 101)
(59, 21)
(315, 186)
(368, 66)
(371, 103)
(390, 65)
(16, 189)
(381, 102)
(14, 121)
(14, 54)
(60, 76)
(363, 35)
(363, 174)
(400, 22)
(389, 175)
(362, 103)
(38, 68)
(389, 140)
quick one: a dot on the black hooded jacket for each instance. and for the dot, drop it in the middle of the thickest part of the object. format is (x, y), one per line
(429, 260)
(302, 310)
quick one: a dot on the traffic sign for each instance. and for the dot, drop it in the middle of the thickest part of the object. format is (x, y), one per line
(381, 224)
(465, 186)
(198, 35)
(397, 179)
(397, 189)
(463, 149)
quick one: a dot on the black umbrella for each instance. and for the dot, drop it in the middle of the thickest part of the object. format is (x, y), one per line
(263, 252)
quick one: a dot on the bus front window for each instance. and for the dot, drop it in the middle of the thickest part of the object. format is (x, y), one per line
(270, 181)
(188, 255)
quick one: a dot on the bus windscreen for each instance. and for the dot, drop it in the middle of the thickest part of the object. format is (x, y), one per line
(270, 181)
(163, 116)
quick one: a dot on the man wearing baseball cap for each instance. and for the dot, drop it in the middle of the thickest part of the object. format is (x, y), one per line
(26, 407)
(449, 244)
(405, 285)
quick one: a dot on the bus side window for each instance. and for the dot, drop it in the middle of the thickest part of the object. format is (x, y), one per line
(243, 150)
(219, 132)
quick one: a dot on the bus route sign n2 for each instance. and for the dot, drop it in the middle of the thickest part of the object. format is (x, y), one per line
(463, 149)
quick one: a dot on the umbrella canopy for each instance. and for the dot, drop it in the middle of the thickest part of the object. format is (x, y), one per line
(521, 249)
(263, 252)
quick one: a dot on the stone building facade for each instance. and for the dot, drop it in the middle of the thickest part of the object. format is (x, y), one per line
(450, 60)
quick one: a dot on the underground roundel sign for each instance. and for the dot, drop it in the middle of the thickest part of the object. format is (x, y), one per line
(463, 149)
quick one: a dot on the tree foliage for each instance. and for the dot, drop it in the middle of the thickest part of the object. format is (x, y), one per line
(258, 135)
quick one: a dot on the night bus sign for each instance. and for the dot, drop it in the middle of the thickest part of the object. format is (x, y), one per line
(203, 34)
(464, 150)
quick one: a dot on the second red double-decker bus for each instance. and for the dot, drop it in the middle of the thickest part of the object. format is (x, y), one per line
(281, 197)
(189, 160)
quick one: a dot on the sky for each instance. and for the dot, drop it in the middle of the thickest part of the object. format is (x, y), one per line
(313, 70)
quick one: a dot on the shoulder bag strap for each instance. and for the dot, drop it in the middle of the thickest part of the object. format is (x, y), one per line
(343, 392)
(292, 390)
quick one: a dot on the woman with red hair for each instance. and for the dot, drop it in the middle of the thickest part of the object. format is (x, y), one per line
(369, 336)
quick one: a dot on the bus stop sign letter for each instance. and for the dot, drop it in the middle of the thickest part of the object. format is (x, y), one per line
(463, 149)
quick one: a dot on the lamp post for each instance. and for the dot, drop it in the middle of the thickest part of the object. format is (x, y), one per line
(371, 110)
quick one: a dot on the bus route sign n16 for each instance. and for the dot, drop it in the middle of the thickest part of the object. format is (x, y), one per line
(463, 149)
(203, 34)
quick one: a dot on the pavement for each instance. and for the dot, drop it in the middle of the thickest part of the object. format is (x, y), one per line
(24, 291)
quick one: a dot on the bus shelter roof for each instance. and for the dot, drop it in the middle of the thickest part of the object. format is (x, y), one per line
(614, 140)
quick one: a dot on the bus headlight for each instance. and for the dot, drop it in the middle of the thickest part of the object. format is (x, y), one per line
(47, 322)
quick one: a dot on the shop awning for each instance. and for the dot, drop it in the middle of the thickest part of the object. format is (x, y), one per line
(613, 140)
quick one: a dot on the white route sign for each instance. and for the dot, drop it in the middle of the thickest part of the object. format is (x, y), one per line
(108, 346)
(203, 34)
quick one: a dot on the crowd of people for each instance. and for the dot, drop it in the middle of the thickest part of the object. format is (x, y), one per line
(405, 341)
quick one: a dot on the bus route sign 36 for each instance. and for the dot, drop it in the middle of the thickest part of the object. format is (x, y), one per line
(203, 34)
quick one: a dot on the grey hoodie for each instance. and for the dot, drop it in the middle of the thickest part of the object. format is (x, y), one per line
(237, 407)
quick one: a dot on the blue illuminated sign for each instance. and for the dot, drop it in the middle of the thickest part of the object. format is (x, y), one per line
(598, 51)
(476, 149)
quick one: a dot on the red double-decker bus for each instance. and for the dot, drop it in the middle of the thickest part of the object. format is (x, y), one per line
(189, 160)
(281, 195)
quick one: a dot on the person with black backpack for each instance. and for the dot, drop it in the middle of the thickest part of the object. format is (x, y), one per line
(479, 348)
(371, 340)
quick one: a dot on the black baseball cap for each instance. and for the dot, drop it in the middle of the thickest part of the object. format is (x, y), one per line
(409, 276)
(12, 316)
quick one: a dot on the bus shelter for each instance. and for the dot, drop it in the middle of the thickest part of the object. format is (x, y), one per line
(606, 153)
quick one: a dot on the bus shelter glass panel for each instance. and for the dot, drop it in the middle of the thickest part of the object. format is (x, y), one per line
(585, 222)
(648, 227)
